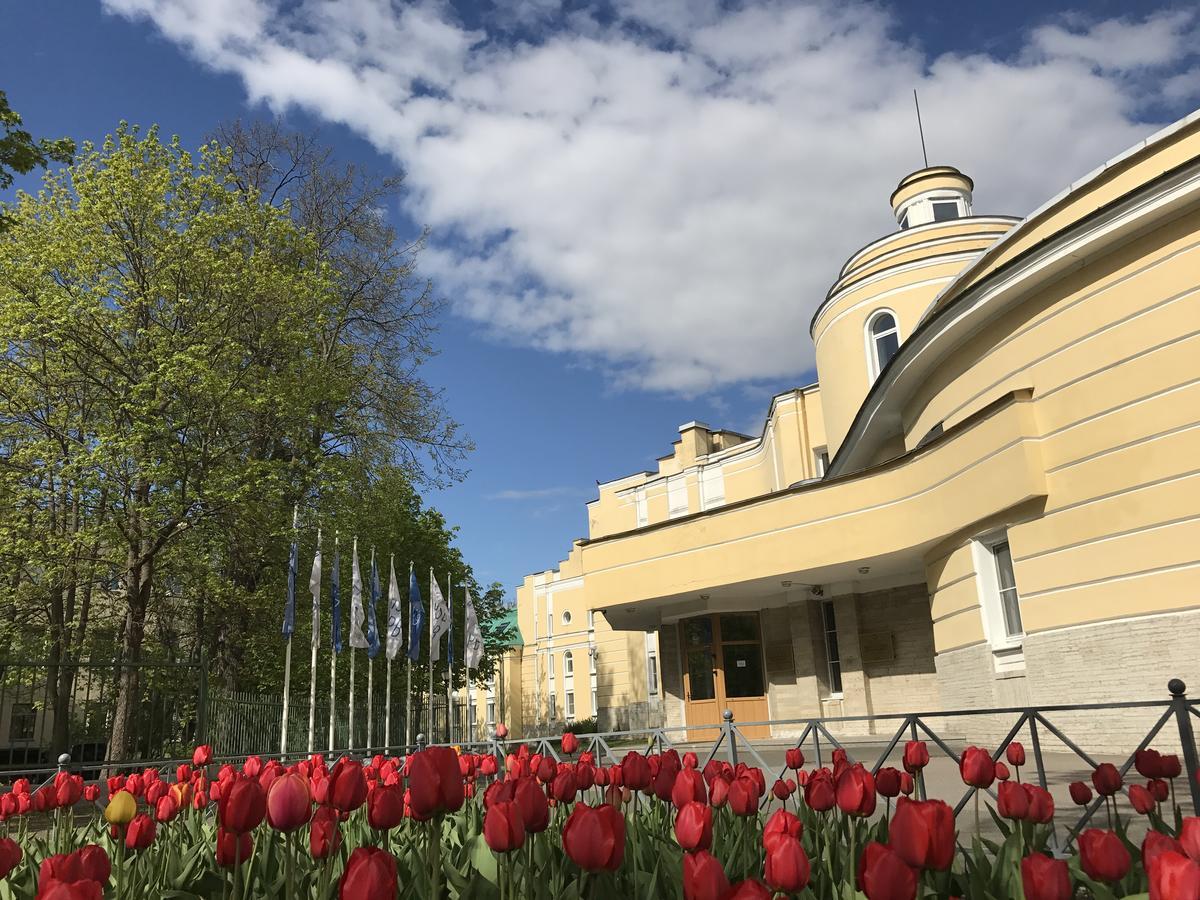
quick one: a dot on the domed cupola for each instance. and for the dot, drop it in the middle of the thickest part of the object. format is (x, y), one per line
(932, 194)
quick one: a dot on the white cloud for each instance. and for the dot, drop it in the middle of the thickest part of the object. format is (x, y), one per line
(534, 493)
(671, 194)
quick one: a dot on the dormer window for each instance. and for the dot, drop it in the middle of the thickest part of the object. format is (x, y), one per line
(904, 221)
(883, 340)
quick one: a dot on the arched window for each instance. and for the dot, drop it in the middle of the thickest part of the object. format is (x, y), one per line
(883, 340)
(568, 663)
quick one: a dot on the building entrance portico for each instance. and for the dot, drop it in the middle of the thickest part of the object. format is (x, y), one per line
(723, 669)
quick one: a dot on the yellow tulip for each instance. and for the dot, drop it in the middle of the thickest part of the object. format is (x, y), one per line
(121, 809)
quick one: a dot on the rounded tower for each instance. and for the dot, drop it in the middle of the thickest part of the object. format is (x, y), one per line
(884, 289)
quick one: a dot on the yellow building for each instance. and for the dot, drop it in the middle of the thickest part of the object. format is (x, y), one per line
(498, 699)
(991, 498)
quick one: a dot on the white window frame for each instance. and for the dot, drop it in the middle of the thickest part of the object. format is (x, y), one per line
(653, 678)
(566, 617)
(820, 460)
(825, 632)
(569, 706)
(1007, 648)
(552, 710)
(568, 664)
(712, 487)
(640, 508)
(874, 366)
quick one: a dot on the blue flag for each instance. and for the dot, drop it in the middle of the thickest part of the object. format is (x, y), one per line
(289, 609)
(416, 617)
(335, 593)
(372, 627)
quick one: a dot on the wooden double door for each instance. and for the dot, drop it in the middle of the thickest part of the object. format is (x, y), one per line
(723, 669)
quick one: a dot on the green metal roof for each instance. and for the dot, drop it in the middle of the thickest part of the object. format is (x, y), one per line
(507, 622)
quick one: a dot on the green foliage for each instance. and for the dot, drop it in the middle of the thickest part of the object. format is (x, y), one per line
(20, 153)
(590, 725)
(191, 356)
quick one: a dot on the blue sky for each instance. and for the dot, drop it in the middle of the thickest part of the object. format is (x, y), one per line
(634, 209)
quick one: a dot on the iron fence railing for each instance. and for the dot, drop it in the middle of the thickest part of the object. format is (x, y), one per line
(1172, 725)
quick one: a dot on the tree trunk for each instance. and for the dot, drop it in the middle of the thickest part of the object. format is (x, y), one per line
(138, 582)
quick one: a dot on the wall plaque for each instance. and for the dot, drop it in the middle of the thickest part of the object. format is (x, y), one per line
(877, 646)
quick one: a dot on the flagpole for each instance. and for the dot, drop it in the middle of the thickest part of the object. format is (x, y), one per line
(430, 713)
(408, 657)
(450, 660)
(312, 666)
(350, 736)
(387, 694)
(371, 661)
(333, 662)
(287, 655)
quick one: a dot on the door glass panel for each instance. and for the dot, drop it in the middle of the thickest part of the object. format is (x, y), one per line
(698, 632)
(739, 628)
(701, 685)
(743, 670)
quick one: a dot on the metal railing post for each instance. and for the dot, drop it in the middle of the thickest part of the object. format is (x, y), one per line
(733, 753)
(420, 742)
(919, 777)
(64, 761)
(1179, 703)
(1041, 770)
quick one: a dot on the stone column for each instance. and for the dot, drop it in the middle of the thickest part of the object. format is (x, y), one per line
(856, 687)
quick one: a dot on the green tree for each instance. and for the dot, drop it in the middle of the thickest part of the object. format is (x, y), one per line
(20, 153)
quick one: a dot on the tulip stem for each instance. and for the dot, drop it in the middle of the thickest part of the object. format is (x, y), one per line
(637, 856)
(290, 865)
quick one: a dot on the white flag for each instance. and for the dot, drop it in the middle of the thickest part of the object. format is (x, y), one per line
(357, 614)
(474, 637)
(439, 618)
(314, 588)
(395, 625)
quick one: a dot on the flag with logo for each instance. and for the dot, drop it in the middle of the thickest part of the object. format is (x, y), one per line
(314, 588)
(372, 625)
(439, 618)
(416, 616)
(289, 607)
(472, 636)
(358, 640)
(395, 621)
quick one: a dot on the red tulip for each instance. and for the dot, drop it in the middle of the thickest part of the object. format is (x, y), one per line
(689, 787)
(202, 756)
(855, 791)
(819, 793)
(1002, 773)
(1107, 779)
(922, 833)
(10, 856)
(88, 864)
(694, 826)
(635, 771)
(977, 768)
(795, 759)
(1045, 878)
(1169, 766)
(594, 838)
(718, 793)
(370, 875)
(385, 807)
(787, 867)
(1041, 804)
(545, 769)
(916, 757)
(488, 766)
(289, 804)
(570, 743)
(906, 784)
(1103, 855)
(1148, 763)
(749, 890)
(1141, 799)
(91, 793)
(140, 833)
(348, 784)
(503, 828)
(535, 809)
(1081, 793)
(166, 809)
(883, 875)
(743, 796)
(1158, 789)
(1013, 801)
(501, 731)
(703, 877)
(782, 822)
(253, 766)
(887, 781)
(325, 833)
(435, 782)
(233, 849)
(1174, 877)
(1156, 843)
(1015, 754)
(780, 789)
(243, 805)
(564, 786)
(1189, 837)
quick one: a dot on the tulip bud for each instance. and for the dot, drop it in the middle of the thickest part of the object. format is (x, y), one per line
(121, 809)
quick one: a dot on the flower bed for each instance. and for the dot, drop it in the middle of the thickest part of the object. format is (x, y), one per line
(446, 824)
